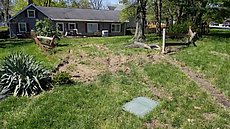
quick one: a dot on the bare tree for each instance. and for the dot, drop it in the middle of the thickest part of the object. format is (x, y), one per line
(96, 4)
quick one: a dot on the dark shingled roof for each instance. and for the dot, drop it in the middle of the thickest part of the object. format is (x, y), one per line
(80, 14)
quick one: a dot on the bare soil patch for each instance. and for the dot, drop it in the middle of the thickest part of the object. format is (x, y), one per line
(85, 68)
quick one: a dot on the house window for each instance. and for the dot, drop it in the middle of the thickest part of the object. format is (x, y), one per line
(22, 27)
(60, 26)
(31, 13)
(116, 28)
(92, 27)
(72, 26)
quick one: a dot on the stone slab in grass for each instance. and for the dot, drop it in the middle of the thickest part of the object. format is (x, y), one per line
(140, 106)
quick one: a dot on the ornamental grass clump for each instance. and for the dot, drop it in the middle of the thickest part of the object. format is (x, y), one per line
(22, 75)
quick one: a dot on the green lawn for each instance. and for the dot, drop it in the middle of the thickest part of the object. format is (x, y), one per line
(211, 58)
(27, 46)
(98, 104)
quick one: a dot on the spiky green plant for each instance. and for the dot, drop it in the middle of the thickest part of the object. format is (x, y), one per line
(22, 75)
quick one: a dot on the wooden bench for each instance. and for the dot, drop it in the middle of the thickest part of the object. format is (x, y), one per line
(190, 39)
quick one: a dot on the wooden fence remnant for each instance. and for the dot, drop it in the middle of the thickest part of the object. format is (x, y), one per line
(190, 39)
(46, 43)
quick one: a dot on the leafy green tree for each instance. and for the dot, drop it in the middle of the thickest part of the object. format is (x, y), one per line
(84, 4)
(75, 4)
(61, 3)
(46, 3)
(19, 5)
(136, 9)
(50, 3)
(128, 13)
(180, 11)
(46, 28)
(217, 11)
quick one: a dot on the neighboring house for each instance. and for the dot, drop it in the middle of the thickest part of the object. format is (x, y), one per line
(87, 21)
(227, 23)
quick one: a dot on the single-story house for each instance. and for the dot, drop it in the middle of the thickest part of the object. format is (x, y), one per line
(86, 21)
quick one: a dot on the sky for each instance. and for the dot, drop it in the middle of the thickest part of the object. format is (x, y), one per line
(109, 2)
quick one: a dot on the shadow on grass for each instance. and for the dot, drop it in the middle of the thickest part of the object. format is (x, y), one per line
(219, 34)
(63, 45)
(9, 43)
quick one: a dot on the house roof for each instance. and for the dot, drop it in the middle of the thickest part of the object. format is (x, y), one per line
(26, 9)
(74, 14)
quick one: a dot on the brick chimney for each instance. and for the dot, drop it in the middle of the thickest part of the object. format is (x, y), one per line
(30, 2)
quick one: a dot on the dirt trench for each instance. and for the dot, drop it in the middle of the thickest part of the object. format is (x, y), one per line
(201, 82)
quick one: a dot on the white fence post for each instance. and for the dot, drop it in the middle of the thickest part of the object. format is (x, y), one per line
(163, 42)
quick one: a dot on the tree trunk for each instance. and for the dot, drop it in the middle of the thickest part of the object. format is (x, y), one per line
(160, 10)
(199, 16)
(49, 2)
(5, 4)
(171, 17)
(30, 2)
(140, 21)
(179, 14)
(157, 17)
(7, 13)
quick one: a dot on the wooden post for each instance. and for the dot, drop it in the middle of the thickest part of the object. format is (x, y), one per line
(163, 42)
